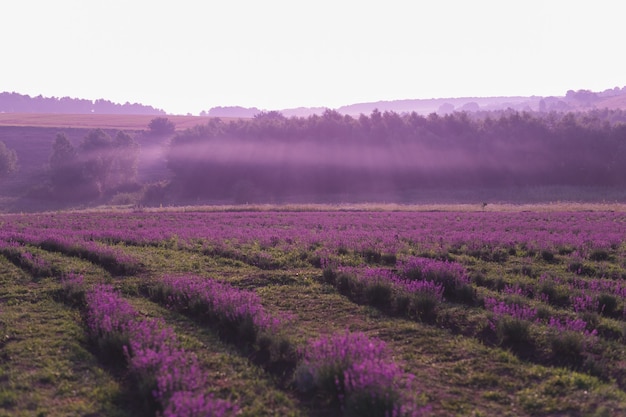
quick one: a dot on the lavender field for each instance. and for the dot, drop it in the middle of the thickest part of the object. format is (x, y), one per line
(313, 313)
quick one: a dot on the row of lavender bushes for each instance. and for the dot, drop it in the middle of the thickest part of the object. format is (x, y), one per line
(415, 289)
(349, 369)
(418, 286)
(357, 373)
(570, 340)
(169, 379)
(113, 260)
(237, 315)
(25, 259)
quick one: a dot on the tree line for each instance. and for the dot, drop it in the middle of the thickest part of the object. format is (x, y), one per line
(21, 103)
(270, 156)
(100, 164)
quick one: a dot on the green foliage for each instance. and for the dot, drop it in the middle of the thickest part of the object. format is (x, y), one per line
(513, 332)
(99, 164)
(599, 255)
(608, 305)
(567, 348)
(547, 256)
(378, 294)
(366, 405)
(420, 305)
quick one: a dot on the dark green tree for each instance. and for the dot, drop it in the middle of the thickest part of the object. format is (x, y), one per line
(126, 151)
(161, 126)
(97, 156)
(8, 160)
(65, 169)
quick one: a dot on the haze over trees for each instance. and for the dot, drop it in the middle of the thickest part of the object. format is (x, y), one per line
(8, 160)
(100, 164)
(271, 157)
(504, 156)
(161, 126)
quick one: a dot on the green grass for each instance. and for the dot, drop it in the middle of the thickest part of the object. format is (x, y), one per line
(47, 366)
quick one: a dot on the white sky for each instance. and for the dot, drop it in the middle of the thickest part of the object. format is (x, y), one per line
(188, 56)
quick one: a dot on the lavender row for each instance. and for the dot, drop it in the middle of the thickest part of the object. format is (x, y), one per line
(361, 378)
(25, 259)
(384, 232)
(238, 314)
(415, 288)
(604, 296)
(356, 371)
(167, 376)
(111, 259)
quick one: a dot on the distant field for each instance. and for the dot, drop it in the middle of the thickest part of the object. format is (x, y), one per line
(381, 207)
(103, 121)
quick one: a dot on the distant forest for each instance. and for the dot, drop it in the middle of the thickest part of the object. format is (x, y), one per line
(20, 103)
(272, 157)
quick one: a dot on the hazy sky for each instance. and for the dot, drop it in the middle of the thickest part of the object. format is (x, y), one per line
(187, 56)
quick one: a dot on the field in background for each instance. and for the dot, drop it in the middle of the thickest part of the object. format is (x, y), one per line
(93, 121)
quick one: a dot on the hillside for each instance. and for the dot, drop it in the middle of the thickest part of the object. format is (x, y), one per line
(133, 122)
(581, 100)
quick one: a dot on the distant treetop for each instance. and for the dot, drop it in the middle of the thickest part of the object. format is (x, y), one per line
(161, 126)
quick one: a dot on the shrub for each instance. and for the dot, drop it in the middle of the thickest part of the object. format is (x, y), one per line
(511, 322)
(237, 314)
(608, 305)
(569, 339)
(599, 255)
(451, 275)
(378, 294)
(423, 305)
(108, 321)
(329, 275)
(354, 371)
(73, 290)
(567, 348)
(547, 256)
(553, 293)
(168, 378)
(347, 284)
(513, 331)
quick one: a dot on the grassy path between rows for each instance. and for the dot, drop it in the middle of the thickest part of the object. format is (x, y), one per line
(46, 368)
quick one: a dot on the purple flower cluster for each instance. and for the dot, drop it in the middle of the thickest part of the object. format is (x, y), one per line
(107, 312)
(218, 300)
(447, 273)
(375, 275)
(584, 302)
(156, 360)
(501, 309)
(68, 242)
(514, 290)
(355, 367)
(572, 325)
(22, 257)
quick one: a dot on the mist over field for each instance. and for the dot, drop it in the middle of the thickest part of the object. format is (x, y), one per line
(383, 156)
(270, 158)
